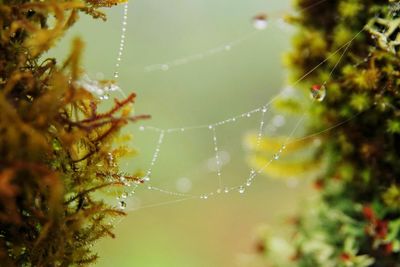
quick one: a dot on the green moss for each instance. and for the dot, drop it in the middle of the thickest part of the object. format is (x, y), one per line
(57, 151)
(393, 126)
(355, 222)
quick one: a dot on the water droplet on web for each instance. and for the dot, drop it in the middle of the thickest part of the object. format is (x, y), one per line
(226, 190)
(241, 190)
(276, 156)
(204, 197)
(122, 205)
(318, 92)
(260, 22)
(124, 195)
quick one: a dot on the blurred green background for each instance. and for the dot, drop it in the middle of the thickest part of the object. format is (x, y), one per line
(213, 232)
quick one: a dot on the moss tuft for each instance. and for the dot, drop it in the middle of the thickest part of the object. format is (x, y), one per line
(57, 150)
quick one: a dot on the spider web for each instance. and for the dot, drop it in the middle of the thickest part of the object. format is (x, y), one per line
(207, 161)
(218, 162)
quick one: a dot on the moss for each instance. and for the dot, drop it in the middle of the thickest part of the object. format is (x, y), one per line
(57, 151)
(355, 221)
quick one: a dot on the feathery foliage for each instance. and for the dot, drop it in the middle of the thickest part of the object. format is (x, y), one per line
(57, 151)
(356, 219)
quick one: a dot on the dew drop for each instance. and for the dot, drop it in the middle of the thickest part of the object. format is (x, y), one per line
(276, 156)
(241, 190)
(264, 109)
(226, 190)
(260, 22)
(318, 92)
(122, 205)
(124, 195)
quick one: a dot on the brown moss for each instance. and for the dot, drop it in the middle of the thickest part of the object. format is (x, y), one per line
(56, 148)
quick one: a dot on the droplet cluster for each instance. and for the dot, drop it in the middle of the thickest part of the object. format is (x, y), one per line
(102, 89)
(122, 39)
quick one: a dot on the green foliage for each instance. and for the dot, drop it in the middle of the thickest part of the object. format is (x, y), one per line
(57, 151)
(356, 219)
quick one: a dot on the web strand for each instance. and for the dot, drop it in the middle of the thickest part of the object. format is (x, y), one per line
(122, 40)
(217, 158)
(199, 56)
(258, 142)
(155, 156)
(223, 48)
(194, 57)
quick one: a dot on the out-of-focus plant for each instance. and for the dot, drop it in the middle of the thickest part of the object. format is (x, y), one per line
(356, 219)
(57, 151)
